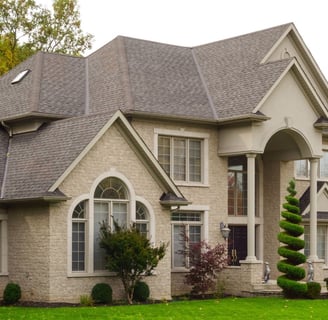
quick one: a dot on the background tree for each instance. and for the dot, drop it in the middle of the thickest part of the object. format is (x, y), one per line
(129, 254)
(289, 281)
(26, 27)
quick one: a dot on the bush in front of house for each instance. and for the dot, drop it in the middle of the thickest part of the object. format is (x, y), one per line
(313, 290)
(102, 293)
(290, 250)
(141, 292)
(206, 261)
(12, 293)
(130, 254)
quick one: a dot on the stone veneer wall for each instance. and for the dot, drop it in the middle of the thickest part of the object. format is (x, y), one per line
(239, 281)
(213, 195)
(111, 152)
(28, 257)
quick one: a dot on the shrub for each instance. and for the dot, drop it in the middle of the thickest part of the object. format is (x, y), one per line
(12, 293)
(290, 250)
(86, 300)
(207, 262)
(130, 254)
(141, 292)
(102, 293)
(313, 290)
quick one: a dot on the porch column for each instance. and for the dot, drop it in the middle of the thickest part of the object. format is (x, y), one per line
(313, 209)
(251, 207)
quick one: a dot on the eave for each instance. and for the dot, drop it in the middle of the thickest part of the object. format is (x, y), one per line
(247, 118)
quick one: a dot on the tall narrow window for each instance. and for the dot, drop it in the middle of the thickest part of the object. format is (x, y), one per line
(237, 186)
(181, 157)
(110, 206)
(142, 219)
(322, 240)
(186, 233)
(79, 222)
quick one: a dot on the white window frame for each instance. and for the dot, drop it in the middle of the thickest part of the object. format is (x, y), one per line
(3, 244)
(203, 137)
(307, 176)
(89, 245)
(307, 239)
(204, 212)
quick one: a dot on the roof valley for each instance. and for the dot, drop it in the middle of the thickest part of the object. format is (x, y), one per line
(209, 97)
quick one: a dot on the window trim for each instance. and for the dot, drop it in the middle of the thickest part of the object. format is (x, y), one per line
(204, 137)
(204, 211)
(89, 247)
(4, 244)
(307, 177)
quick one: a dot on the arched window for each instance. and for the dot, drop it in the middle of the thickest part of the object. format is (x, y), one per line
(142, 219)
(111, 203)
(79, 226)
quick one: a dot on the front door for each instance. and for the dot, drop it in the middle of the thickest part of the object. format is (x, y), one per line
(237, 245)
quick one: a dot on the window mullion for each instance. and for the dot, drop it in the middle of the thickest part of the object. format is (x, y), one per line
(172, 173)
(187, 154)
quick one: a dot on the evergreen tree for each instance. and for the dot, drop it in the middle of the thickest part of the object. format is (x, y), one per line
(292, 258)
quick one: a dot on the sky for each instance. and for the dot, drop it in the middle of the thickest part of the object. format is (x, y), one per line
(195, 22)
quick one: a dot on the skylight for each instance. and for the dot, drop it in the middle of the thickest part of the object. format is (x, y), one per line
(20, 76)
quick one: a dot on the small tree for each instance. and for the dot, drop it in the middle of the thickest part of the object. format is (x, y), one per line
(290, 251)
(130, 254)
(207, 262)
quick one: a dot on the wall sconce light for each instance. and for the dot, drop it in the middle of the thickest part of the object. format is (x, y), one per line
(225, 231)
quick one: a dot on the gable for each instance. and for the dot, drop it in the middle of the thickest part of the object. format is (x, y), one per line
(322, 201)
(290, 45)
(292, 105)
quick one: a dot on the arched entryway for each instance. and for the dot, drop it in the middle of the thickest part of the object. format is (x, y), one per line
(280, 152)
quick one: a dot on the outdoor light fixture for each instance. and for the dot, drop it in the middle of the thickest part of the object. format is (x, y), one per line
(225, 231)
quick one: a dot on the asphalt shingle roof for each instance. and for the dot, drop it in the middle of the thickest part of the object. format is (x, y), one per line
(212, 82)
(38, 159)
(233, 74)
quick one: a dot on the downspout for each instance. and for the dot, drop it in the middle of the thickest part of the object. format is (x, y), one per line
(10, 133)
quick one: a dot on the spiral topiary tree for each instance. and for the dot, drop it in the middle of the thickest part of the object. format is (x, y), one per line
(292, 258)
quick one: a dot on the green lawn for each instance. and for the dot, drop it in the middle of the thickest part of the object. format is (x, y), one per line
(228, 308)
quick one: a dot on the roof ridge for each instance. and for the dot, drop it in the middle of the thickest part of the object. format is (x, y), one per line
(36, 86)
(124, 66)
(286, 25)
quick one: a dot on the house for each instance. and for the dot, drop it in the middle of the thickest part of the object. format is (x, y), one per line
(176, 140)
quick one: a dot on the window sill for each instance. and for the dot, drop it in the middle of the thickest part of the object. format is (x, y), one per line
(191, 184)
(179, 270)
(90, 274)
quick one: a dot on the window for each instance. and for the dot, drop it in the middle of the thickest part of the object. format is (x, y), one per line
(113, 200)
(186, 233)
(322, 238)
(3, 245)
(181, 157)
(110, 206)
(302, 168)
(237, 186)
(79, 224)
(142, 219)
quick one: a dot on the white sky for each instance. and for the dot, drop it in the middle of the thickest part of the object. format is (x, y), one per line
(195, 22)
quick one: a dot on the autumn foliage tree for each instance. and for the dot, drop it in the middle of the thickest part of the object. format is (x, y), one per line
(207, 262)
(26, 27)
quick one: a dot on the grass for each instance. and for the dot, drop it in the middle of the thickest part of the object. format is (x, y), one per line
(228, 308)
